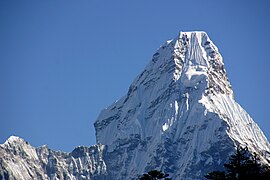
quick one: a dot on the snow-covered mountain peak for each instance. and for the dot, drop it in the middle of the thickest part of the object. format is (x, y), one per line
(15, 140)
(177, 112)
(193, 58)
(188, 64)
(178, 116)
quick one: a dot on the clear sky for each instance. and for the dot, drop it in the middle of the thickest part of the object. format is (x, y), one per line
(62, 62)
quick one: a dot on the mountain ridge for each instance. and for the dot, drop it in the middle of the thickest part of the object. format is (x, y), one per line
(19, 160)
(179, 115)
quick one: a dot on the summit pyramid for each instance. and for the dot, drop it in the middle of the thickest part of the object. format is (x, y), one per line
(179, 115)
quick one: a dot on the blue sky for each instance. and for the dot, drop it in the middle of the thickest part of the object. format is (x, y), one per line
(62, 62)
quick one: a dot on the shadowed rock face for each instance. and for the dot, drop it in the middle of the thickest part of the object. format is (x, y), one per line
(179, 115)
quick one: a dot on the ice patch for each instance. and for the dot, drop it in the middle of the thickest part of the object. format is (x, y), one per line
(165, 127)
(176, 108)
(193, 75)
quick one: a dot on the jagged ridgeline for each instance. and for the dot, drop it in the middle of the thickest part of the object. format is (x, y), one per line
(179, 116)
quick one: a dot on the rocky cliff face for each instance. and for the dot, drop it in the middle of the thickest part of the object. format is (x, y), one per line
(179, 115)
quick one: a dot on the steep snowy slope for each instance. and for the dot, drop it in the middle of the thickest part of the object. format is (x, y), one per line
(179, 115)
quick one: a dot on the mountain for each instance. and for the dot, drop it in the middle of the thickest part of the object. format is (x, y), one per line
(179, 116)
(19, 160)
